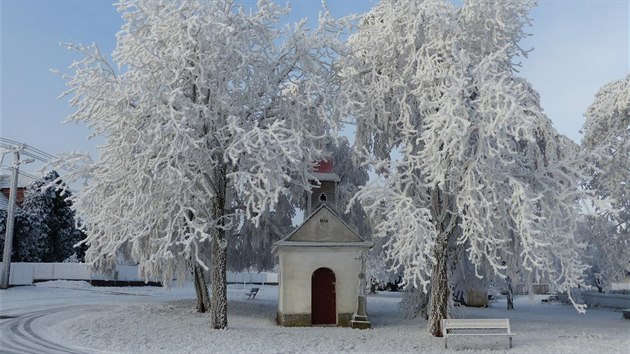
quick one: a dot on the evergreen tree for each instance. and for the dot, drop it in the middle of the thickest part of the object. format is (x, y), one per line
(44, 228)
(31, 232)
(62, 231)
(30, 229)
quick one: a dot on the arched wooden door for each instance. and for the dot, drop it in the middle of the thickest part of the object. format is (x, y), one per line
(323, 297)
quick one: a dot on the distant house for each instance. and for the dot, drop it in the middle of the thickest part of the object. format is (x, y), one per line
(4, 202)
(5, 190)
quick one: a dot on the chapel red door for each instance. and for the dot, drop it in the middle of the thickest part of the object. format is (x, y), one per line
(323, 297)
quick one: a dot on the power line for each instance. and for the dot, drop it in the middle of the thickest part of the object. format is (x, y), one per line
(27, 150)
(29, 147)
(26, 174)
(33, 152)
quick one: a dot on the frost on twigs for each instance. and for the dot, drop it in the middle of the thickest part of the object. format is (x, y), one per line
(462, 145)
(78, 168)
(607, 142)
(407, 224)
(212, 113)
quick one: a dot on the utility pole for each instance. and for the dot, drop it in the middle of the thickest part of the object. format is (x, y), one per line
(8, 239)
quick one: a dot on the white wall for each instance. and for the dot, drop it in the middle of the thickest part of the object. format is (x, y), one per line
(298, 265)
(606, 300)
(20, 274)
(622, 285)
(27, 273)
(252, 277)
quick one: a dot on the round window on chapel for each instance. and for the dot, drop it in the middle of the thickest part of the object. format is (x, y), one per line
(322, 197)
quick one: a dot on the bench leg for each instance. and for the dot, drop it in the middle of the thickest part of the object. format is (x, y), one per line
(510, 342)
(445, 345)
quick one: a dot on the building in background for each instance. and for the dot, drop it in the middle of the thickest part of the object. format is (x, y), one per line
(5, 190)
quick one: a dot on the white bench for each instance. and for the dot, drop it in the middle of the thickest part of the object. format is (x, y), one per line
(476, 327)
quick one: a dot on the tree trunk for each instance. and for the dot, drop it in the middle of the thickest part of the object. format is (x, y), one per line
(218, 309)
(201, 289)
(599, 283)
(438, 296)
(446, 221)
(510, 294)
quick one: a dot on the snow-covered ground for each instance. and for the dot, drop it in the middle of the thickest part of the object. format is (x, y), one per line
(60, 315)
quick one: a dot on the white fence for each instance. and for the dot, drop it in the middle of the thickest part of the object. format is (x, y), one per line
(249, 277)
(28, 273)
(619, 301)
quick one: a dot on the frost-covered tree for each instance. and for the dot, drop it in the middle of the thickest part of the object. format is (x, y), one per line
(605, 267)
(45, 228)
(252, 244)
(49, 196)
(30, 234)
(607, 140)
(251, 248)
(33, 225)
(459, 142)
(352, 176)
(30, 228)
(213, 110)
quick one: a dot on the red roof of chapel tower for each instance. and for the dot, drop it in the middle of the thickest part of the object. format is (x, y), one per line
(324, 166)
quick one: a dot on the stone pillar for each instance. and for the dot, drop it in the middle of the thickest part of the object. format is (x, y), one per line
(359, 318)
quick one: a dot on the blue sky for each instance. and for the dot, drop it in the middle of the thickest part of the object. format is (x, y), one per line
(579, 45)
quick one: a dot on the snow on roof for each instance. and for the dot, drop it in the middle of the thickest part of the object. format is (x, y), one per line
(23, 181)
(325, 176)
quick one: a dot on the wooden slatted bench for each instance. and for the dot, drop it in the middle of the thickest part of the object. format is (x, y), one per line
(252, 293)
(476, 327)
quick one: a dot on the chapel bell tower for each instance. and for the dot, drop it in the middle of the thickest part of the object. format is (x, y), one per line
(325, 192)
(321, 278)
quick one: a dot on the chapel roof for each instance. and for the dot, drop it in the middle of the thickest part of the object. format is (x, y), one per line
(323, 228)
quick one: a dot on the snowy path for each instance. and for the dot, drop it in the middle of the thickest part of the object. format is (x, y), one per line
(22, 331)
(27, 314)
(82, 319)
